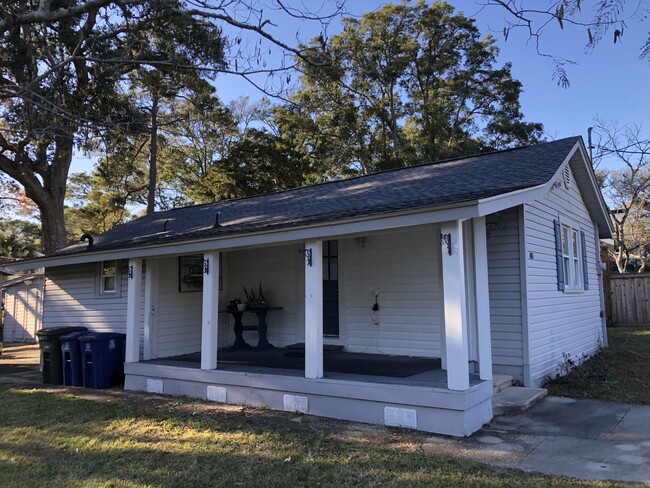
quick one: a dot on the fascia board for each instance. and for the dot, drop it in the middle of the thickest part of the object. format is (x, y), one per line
(466, 210)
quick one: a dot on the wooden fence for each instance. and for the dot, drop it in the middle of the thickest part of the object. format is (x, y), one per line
(630, 299)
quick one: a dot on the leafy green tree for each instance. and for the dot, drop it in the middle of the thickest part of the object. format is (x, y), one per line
(192, 155)
(99, 201)
(68, 68)
(404, 84)
(261, 162)
(64, 79)
(221, 152)
(19, 239)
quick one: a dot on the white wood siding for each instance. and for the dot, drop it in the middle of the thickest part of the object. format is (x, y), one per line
(504, 276)
(277, 269)
(405, 268)
(178, 327)
(559, 322)
(71, 298)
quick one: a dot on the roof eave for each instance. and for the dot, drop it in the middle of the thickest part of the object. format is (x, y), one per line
(515, 198)
(343, 228)
(605, 228)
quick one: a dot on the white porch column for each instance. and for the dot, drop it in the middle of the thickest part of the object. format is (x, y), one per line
(151, 283)
(455, 306)
(134, 297)
(210, 310)
(482, 300)
(313, 309)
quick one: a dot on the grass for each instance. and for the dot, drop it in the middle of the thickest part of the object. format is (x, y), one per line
(77, 438)
(620, 373)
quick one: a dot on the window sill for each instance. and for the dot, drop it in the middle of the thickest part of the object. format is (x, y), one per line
(108, 295)
(573, 291)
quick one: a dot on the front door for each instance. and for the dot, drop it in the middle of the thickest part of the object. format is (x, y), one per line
(331, 288)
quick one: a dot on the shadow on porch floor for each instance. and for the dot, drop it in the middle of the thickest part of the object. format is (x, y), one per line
(334, 361)
(338, 364)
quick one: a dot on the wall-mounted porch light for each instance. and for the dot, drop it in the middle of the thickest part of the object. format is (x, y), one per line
(446, 239)
(307, 253)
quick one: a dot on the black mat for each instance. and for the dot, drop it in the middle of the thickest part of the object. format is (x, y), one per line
(333, 361)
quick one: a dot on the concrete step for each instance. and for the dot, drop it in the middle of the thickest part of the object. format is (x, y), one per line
(501, 382)
(516, 399)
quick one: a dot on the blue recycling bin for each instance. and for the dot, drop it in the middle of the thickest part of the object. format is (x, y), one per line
(51, 357)
(71, 356)
(102, 359)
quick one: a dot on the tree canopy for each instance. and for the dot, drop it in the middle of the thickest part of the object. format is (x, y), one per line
(133, 80)
(64, 80)
(407, 83)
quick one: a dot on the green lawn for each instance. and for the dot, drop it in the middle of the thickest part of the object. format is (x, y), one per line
(55, 437)
(620, 373)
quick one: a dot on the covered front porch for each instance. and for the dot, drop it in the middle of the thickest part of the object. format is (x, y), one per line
(380, 368)
(420, 359)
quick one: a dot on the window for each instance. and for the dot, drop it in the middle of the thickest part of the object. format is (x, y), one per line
(108, 278)
(330, 260)
(570, 247)
(570, 258)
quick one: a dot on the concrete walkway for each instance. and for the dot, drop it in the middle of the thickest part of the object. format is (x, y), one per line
(20, 362)
(585, 439)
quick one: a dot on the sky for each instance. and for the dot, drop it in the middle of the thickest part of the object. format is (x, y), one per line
(611, 83)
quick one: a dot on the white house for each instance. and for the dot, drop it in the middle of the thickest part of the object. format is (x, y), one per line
(407, 289)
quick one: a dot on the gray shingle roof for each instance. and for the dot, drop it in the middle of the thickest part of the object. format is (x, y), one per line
(416, 187)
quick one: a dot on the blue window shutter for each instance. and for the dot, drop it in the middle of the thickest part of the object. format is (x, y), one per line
(558, 255)
(585, 273)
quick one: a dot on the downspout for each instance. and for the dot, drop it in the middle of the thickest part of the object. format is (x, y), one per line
(600, 272)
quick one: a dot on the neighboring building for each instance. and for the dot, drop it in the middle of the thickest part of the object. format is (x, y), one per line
(22, 308)
(487, 264)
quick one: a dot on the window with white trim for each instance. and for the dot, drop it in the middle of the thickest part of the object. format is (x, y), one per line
(570, 248)
(108, 278)
(571, 258)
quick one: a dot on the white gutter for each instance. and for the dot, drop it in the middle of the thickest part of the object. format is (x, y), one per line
(348, 228)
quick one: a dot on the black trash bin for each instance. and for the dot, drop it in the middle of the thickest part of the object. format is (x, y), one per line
(102, 359)
(51, 358)
(71, 359)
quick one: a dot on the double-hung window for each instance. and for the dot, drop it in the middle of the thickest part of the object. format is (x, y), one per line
(570, 247)
(108, 278)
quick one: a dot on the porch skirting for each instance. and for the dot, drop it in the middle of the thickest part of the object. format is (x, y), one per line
(429, 409)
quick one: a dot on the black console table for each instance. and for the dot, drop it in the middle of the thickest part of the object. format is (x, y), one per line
(260, 328)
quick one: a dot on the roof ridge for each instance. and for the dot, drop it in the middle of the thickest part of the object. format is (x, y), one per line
(391, 170)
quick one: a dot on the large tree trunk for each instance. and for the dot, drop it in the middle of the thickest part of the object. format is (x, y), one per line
(153, 158)
(48, 192)
(53, 227)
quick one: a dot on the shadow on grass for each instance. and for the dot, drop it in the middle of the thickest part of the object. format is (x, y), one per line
(58, 439)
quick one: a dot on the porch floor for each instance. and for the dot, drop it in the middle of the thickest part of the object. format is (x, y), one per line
(337, 364)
